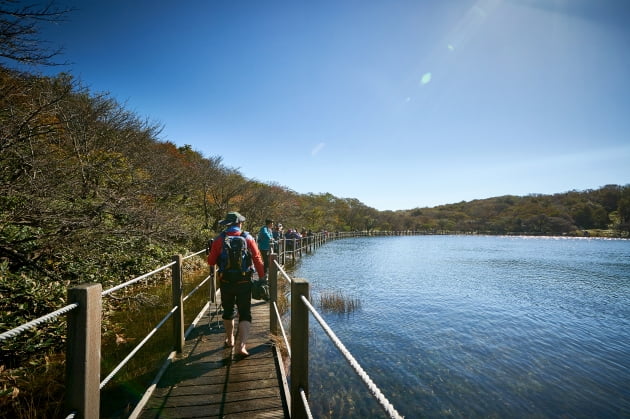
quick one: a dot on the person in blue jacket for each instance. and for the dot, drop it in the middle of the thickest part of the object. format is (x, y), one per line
(265, 242)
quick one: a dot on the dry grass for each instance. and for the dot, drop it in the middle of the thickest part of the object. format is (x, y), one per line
(33, 392)
(284, 288)
(283, 303)
(282, 349)
(337, 302)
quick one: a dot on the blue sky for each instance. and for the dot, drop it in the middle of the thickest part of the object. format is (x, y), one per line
(399, 104)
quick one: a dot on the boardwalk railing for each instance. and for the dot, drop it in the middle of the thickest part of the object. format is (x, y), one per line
(84, 312)
(83, 356)
(298, 345)
(292, 248)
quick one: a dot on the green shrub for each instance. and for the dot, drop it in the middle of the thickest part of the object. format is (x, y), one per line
(22, 299)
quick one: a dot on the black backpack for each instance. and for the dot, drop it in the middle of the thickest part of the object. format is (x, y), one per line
(235, 260)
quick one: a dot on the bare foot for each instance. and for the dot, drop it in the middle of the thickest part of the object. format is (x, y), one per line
(242, 351)
(229, 342)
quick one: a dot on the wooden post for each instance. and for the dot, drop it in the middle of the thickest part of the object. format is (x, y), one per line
(299, 346)
(177, 286)
(280, 250)
(273, 293)
(83, 353)
(283, 251)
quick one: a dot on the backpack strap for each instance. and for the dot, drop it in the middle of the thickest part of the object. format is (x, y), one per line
(246, 236)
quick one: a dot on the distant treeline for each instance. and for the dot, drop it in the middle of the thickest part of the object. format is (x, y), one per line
(601, 212)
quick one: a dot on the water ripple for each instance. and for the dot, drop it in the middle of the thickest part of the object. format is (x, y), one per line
(477, 326)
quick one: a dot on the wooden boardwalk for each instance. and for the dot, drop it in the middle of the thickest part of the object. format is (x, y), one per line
(208, 381)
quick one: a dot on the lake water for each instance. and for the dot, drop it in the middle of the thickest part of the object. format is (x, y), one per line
(470, 326)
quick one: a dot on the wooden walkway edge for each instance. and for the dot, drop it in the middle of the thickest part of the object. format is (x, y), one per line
(209, 381)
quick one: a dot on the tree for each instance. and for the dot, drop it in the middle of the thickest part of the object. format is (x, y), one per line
(260, 201)
(608, 196)
(209, 170)
(623, 210)
(28, 121)
(226, 193)
(19, 32)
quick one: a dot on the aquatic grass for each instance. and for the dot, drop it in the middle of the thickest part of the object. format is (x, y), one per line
(337, 302)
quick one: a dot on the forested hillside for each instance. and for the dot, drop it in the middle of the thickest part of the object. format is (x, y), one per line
(605, 211)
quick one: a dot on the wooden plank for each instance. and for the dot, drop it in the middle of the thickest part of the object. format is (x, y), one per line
(207, 380)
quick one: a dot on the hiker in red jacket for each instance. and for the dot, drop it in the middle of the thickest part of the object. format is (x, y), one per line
(236, 287)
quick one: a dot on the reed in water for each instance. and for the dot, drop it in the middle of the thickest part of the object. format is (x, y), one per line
(337, 302)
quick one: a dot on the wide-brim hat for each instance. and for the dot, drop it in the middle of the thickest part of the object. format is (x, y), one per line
(232, 218)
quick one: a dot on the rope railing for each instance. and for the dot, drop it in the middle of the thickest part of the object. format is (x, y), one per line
(299, 393)
(50, 316)
(137, 348)
(284, 333)
(281, 270)
(376, 392)
(305, 403)
(138, 279)
(170, 314)
(201, 284)
(194, 254)
(24, 327)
